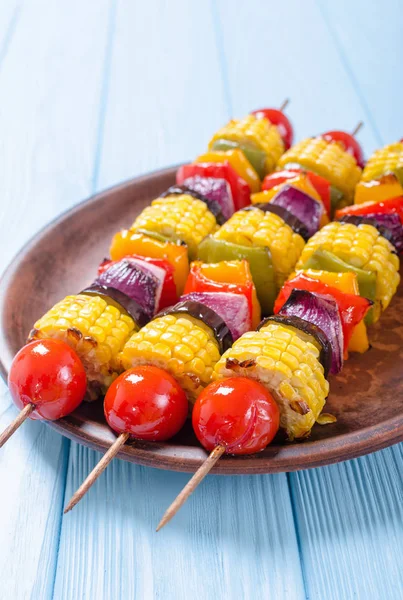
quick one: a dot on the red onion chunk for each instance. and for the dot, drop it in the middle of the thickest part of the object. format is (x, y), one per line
(137, 279)
(213, 189)
(392, 222)
(308, 210)
(322, 311)
(232, 308)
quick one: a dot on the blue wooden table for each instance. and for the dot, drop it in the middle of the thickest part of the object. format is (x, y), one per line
(94, 92)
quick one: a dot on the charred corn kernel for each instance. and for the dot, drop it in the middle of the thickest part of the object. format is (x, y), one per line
(259, 133)
(287, 366)
(178, 217)
(361, 246)
(96, 330)
(189, 357)
(258, 228)
(327, 159)
(238, 162)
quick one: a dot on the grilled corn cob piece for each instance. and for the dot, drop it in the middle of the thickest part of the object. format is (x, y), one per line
(327, 159)
(181, 344)
(178, 217)
(96, 330)
(258, 228)
(258, 132)
(361, 246)
(382, 177)
(384, 161)
(288, 366)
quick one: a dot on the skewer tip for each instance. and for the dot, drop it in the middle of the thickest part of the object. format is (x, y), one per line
(357, 128)
(96, 472)
(285, 104)
(191, 485)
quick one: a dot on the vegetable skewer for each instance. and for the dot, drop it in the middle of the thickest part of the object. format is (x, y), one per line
(145, 403)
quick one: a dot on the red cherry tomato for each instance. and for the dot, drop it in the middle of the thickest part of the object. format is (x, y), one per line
(278, 118)
(49, 375)
(349, 142)
(238, 413)
(146, 402)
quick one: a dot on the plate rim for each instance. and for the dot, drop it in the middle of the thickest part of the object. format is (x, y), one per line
(275, 459)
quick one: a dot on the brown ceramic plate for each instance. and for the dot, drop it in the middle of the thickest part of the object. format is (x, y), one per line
(367, 397)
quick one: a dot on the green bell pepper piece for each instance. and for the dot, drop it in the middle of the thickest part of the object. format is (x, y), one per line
(322, 260)
(256, 157)
(336, 200)
(212, 250)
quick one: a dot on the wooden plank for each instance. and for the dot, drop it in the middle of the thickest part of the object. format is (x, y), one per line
(165, 95)
(50, 78)
(284, 50)
(235, 537)
(350, 524)
(368, 37)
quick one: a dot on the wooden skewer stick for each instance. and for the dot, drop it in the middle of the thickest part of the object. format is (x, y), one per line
(191, 485)
(285, 104)
(18, 421)
(96, 472)
(357, 128)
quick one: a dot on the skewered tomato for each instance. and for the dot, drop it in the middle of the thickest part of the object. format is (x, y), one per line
(349, 142)
(146, 402)
(49, 375)
(238, 413)
(277, 118)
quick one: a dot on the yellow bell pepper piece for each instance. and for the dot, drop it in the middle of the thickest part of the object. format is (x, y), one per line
(359, 339)
(238, 162)
(378, 190)
(347, 283)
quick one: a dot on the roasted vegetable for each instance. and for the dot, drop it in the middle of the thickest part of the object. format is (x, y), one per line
(182, 344)
(280, 358)
(257, 227)
(95, 328)
(232, 308)
(128, 242)
(213, 250)
(226, 276)
(322, 311)
(362, 247)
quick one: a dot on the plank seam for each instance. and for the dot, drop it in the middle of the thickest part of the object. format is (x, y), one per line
(110, 38)
(350, 72)
(10, 33)
(65, 467)
(294, 512)
(218, 34)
